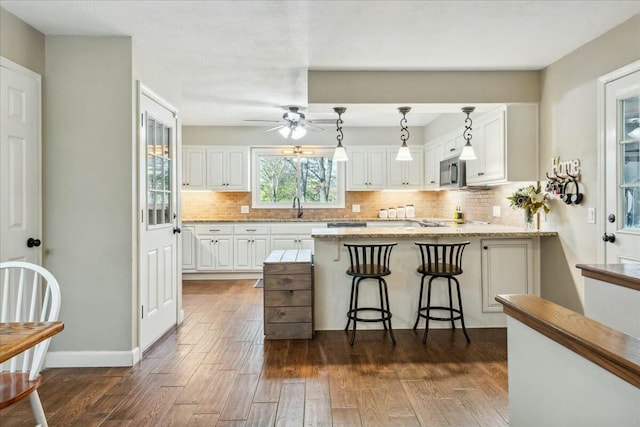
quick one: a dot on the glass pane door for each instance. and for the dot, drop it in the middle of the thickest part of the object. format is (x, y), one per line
(158, 173)
(630, 162)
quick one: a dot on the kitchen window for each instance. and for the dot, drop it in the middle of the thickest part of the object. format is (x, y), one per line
(281, 174)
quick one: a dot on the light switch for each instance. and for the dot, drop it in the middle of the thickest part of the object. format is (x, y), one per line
(496, 211)
(244, 209)
(355, 208)
(591, 215)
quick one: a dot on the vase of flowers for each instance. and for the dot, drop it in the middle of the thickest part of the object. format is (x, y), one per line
(531, 199)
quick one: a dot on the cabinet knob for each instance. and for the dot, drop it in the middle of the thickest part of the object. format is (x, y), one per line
(452, 149)
(480, 173)
(485, 247)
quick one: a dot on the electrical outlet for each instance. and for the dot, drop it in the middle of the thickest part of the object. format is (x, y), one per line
(496, 211)
(244, 209)
(355, 208)
(591, 215)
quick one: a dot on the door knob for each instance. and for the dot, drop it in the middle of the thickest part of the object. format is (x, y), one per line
(609, 237)
(177, 230)
(31, 242)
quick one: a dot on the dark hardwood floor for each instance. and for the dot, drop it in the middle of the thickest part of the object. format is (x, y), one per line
(216, 370)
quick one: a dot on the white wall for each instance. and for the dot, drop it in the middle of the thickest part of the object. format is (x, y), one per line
(568, 129)
(87, 186)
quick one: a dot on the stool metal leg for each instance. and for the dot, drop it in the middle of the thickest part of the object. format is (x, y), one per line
(453, 323)
(386, 296)
(426, 327)
(353, 284)
(464, 329)
(384, 322)
(419, 302)
(355, 313)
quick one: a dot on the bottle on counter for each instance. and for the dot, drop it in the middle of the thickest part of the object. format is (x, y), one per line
(400, 212)
(391, 213)
(458, 215)
(411, 212)
(382, 214)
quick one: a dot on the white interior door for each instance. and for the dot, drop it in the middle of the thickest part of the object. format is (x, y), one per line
(158, 260)
(622, 170)
(20, 164)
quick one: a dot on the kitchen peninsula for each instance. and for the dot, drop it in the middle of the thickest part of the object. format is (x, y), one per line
(499, 260)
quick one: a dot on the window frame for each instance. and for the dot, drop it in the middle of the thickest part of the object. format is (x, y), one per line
(257, 152)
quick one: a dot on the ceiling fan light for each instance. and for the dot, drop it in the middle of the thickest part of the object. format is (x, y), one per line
(285, 131)
(298, 132)
(404, 154)
(467, 152)
(340, 154)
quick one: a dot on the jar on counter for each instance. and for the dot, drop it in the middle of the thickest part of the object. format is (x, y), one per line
(411, 212)
(382, 214)
(400, 213)
(391, 212)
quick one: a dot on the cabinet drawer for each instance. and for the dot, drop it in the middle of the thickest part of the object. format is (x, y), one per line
(205, 229)
(289, 298)
(287, 314)
(287, 269)
(251, 229)
(276, 282)
(275, 331)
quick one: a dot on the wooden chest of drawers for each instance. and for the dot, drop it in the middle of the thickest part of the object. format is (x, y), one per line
(288, 295)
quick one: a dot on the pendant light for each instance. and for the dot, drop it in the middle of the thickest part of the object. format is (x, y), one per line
(404, 154)
(467, 150)
(340, 155)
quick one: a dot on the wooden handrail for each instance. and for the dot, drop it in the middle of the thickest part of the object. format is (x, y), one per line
(608, 348)
(626, 275)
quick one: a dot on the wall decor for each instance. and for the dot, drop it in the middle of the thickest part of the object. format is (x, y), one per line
(564, 173)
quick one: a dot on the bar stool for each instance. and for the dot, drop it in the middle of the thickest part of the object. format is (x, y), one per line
(369, 261)
(440, 260)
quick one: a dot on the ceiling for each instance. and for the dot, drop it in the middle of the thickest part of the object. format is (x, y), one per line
(240, 60)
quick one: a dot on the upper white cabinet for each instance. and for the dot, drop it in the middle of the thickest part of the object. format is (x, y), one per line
(227, 169)
(193, 168)
(452, 145)
(405, 174)
(433, 155)
(506, 145)
(367, 168)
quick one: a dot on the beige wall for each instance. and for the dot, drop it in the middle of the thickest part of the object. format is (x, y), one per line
(87, 183)
(568, 128)
(21, 43)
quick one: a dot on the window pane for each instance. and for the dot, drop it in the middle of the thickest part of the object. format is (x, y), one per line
(160, 208)
(631, 205)
(167, 206)
(150, 171)
(318, 180)
(630, 162)
(631, 117)
(277, 178)
(151, 208)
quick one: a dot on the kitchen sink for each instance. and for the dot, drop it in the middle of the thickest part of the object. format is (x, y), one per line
(429, 223)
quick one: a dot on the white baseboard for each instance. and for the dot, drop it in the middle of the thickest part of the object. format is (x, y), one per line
(92, 359)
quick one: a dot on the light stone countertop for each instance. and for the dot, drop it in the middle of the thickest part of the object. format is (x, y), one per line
(463, 230)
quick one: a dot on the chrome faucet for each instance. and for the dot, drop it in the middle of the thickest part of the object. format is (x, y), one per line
(299, 213)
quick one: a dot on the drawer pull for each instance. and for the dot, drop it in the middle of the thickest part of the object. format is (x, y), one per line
(214, 229)
(251, 229)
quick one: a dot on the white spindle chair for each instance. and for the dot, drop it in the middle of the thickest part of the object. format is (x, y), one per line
(28, 293)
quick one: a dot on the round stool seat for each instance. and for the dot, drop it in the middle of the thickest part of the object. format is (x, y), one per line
(439, 270)
(368, 270)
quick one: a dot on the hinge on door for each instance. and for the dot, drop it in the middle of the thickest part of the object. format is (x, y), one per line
(142, 307)
(142, 215)
(142, 120)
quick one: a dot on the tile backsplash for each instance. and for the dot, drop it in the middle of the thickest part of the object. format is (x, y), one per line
(477, 205)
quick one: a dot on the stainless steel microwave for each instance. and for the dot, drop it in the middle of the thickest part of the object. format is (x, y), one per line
(453, 172)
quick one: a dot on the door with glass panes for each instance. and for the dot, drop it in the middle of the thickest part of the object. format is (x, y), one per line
(158, 221)
(622, 169)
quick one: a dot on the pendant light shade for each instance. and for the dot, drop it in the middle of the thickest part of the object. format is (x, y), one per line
(340, 155)
(404, 154)
(467, 151)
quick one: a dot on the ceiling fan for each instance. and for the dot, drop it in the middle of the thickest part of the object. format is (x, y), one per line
(294, 124)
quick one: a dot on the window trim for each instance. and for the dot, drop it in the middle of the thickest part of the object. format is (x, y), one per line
(257, 152)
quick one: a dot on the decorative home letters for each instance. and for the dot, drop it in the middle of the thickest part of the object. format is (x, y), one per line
(566, 168)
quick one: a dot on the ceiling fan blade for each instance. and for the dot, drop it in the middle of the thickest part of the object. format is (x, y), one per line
(274, 128)
(267, 121)
(312, 127)
(322, 121)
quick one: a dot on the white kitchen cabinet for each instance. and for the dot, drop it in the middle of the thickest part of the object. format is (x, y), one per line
(251, 245)
(227, 169)
(188, 237)
(405, 174)
(193, 168)
(367, 168)
(293, 236)
(215, 247)
(452, 145)
(507, 268)
(433, 155)
(506, 145)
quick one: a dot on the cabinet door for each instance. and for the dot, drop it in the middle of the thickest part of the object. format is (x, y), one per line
(188, 248)
(414, 170)
(193, 168)
(236, 170)
(260, 251)
(205, 258)
(224, 253)
(284, 242)
(242, 258)
(494, 149)
(357, 177)
(449, 147)
(395, 171)
(507, 268)
(215, 169)
(306, 242)
(377, 168)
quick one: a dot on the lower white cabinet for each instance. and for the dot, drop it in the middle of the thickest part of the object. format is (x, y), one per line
(291, 241)
(215, 253)
(250, 252)
(507, 268)
(188, 236)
